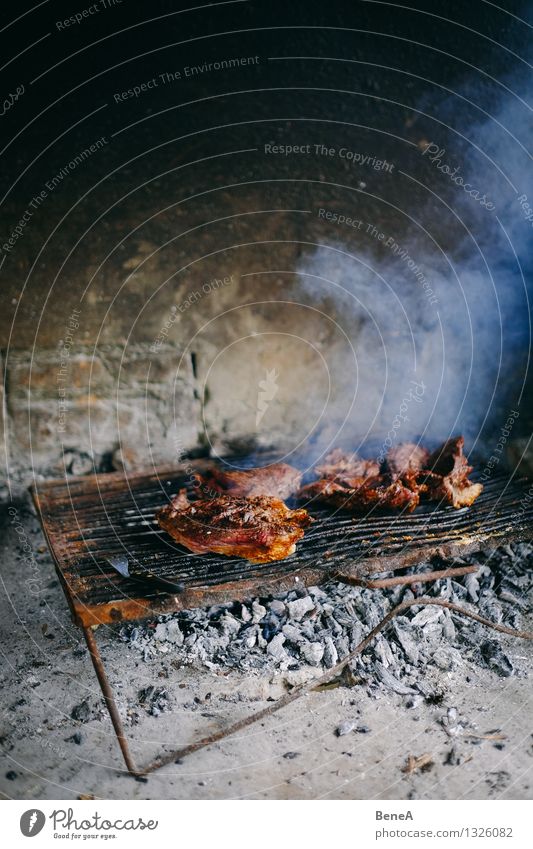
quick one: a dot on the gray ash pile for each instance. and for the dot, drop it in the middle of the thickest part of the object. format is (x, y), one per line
(320, 625)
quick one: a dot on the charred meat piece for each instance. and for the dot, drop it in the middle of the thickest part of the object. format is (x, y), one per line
(457, 492)
(449, 459)
(279, 480)
(343, 466)
(405, 459)
(378, 492)
(259, 529)
(412, 473)
(448, 480)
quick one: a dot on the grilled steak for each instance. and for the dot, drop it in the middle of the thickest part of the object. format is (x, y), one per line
(259, 529)
(279, 480)
(363, 494)
(448, 480)
(406, 458)
(412, 474)
(343, 466)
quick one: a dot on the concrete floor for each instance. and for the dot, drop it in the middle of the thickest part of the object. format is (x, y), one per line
(46, 672)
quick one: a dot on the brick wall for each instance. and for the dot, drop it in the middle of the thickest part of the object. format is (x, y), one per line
(99, 408)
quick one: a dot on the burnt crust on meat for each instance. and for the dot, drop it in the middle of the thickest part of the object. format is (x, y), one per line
(379, 492)
(412, 474)
(260, 529)
(449, 475)
(279, 480)
(340, 465)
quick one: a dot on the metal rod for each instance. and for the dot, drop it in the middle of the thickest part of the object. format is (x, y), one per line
(398, 580)
(109, 697)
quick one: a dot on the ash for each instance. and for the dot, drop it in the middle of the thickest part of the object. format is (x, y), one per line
(318, 626)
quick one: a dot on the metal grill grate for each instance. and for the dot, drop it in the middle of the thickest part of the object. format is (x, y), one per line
(87, 520)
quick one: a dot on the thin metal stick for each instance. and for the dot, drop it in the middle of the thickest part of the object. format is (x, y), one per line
(303, 689)
(399, 580)
(107, 692)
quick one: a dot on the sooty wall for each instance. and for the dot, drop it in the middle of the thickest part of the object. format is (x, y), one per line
(263, 224)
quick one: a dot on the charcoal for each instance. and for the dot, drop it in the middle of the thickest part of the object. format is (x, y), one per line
(448, 628)
(275, 647)
(383, 652)
(229, 624)
(446, 658)
(459, 592)
(510, 597)
(75, 738)
(432, 632)
(490, 608)
(245, 614)
(154, 700)
(174, 634)
(344, 728)
(343, 646)
(332, 625)
(355, 634)
(472, 585)
(414, 701)
(249, 637)
(403, 629)
(278, 607)
(309, 632)
(331, 654)
(293, 634)
(299, 607)
(495, 658)
(427, 615)
(390, 681)
(319, 626)
(82, 712)
(313, 653)
(160, 632)
(453, 758)
(258, 612)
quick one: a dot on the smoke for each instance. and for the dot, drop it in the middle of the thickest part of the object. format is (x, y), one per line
(443, 302)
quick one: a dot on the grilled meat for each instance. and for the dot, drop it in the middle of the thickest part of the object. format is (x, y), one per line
(448, 480)
(412, 474)
(259, 529)
(406, 458)
(279, 480)
(343, 466)
(449, 459)
(363, 494)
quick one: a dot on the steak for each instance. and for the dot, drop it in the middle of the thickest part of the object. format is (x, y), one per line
(412, 474)
(259, 528)
(448, 478)
(343, 466)
(362, 494)
(279, 480)
(406, 458)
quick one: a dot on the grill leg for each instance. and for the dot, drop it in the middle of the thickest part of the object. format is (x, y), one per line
(109, 697)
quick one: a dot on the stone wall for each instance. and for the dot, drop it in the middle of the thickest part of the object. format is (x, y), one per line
(105, 409)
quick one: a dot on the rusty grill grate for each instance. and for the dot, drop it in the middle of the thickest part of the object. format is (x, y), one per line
(87, 520)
